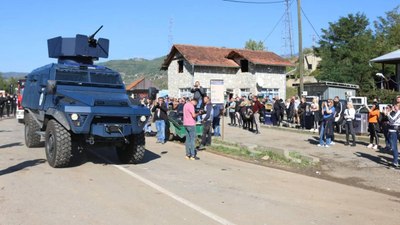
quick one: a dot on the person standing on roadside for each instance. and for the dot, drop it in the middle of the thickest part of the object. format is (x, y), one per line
(207, 117)
(316, 112)
(217, 119)
(231, 111)
(393, 115)
(160, 116)
(8, 104)
(189, 122)
(373, 117)
(256, 108)
(237, 112)
(14, 105)
(2, 101)
(349, 115)
(302, 108)
(296, 106)
(277, 111)
(385, 127)
(326, 131)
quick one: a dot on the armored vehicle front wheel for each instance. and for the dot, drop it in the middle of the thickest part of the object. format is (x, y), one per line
(32, 137)
(58, 145)
(134, 151)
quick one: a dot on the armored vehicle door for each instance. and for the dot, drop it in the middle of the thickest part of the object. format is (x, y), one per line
(32, 91)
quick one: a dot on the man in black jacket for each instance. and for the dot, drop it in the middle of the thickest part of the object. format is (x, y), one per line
(8, 104)
(207, 117)
(198, 94)
(2, 101)
(160, 117)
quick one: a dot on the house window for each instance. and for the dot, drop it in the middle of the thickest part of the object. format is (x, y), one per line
(244, 65)
(180, 66)
(270, 92)
(185, 92)
(244, 92)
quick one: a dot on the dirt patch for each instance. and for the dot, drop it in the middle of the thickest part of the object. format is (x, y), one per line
(320, 171)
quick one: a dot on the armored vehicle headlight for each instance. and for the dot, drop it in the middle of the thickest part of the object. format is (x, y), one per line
(74, 116)
(143, 118)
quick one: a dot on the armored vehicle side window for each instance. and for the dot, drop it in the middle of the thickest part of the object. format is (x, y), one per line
(105, 78)
(74, 76)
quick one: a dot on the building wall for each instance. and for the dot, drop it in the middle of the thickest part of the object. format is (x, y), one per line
(325, 92)
(266, 76)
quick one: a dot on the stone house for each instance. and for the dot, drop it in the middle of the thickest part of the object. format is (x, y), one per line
(243, 71)
(139, 88)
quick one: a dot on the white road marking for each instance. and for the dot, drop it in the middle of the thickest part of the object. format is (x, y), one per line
(170, 194)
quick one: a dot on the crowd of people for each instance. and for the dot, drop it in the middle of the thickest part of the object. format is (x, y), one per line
(248, 112)
(187, 112)
(8, 105)
(386, 122)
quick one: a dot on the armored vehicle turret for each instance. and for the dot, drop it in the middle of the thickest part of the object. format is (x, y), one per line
(75, 104)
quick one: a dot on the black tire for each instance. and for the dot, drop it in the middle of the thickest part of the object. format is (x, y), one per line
(134, 151)
(32, 137)
(58, 145)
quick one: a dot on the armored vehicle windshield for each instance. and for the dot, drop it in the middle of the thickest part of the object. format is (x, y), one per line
(88, 77)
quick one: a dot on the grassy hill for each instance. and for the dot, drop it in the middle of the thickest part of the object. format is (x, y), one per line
(133, 69)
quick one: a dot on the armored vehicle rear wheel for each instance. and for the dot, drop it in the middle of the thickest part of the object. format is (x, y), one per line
(32, 137)
(58, 145)
(134, 151)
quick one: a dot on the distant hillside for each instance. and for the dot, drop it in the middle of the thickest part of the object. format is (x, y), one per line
(16, 75)
(132, 69)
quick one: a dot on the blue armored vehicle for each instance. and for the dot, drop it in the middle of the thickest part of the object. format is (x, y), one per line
(75, 104)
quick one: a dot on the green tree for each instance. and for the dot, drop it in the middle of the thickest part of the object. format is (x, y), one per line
(345, 49)
(254, 45)
(388, 31)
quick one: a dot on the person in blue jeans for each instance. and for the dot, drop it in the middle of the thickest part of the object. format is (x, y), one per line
(326, 132)
(189, 122)
(216, 120)
(160, 116)
(393, 115)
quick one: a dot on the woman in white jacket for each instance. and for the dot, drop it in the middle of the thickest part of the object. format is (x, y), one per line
(394, 125)
(349, 115)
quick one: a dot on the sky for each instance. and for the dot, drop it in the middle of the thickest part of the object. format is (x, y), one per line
(146, 29)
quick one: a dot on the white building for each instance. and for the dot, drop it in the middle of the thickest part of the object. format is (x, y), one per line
(243, 71)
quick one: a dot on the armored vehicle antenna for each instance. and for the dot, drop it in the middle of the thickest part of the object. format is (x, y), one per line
(80, 49)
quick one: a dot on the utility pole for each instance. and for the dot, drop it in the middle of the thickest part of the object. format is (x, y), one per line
(301, 56)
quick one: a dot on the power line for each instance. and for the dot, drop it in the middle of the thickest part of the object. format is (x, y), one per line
(254, 2)
(279, 21)
(273, 29)
(310, 23)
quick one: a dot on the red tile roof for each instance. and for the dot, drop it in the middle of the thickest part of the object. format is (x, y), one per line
(133, 84)
(222, 57)
(260, 57)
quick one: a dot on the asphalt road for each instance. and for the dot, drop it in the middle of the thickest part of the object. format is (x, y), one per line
(168, 189)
